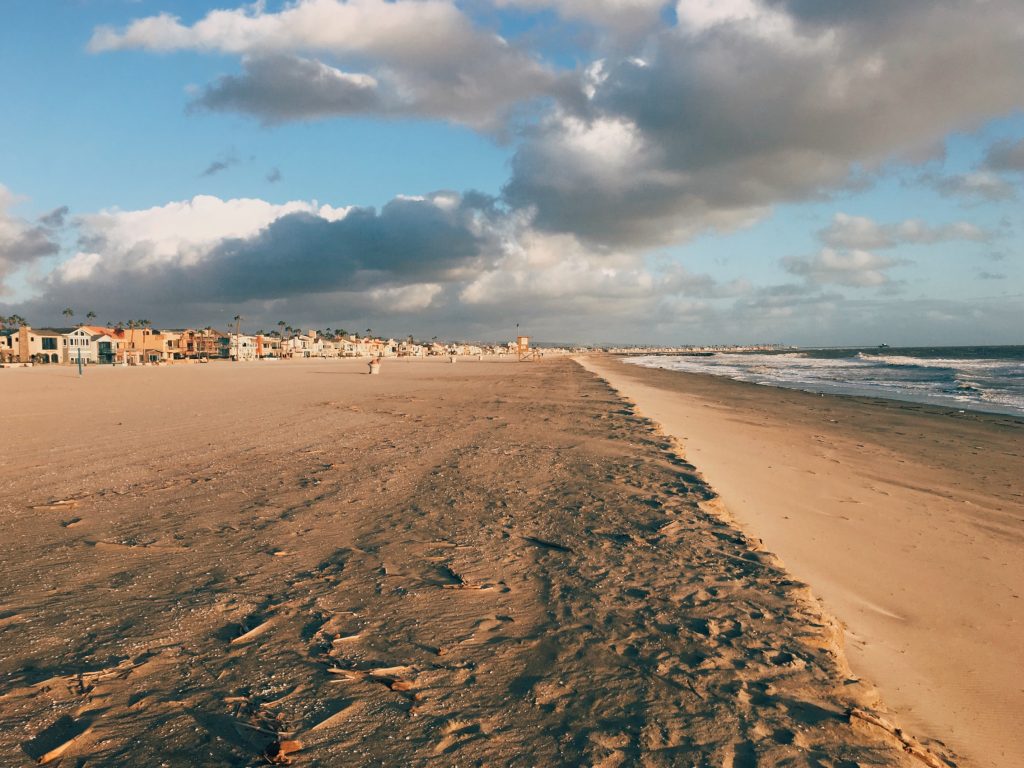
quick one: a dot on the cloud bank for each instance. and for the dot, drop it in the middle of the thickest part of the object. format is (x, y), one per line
(665, 121)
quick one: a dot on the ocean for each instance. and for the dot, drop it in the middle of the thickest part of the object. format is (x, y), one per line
(968, 378)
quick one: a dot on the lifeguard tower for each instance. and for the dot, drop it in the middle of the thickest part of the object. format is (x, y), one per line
(523, 350)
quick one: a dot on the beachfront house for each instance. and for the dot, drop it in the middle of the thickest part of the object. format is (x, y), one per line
(89, 344)
(136, 346)
(267, 346)
(32, 345)
(203, 344)
(409, 348)
(244, 347)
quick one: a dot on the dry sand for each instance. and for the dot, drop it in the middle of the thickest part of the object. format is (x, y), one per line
(908, 520)
(483, 564)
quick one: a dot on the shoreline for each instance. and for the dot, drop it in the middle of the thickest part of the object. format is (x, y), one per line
(926, 569)
(851, 390)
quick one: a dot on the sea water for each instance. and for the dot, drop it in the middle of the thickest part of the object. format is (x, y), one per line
(970, 378)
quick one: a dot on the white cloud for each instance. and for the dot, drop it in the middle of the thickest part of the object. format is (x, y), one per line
(79, 267)
(857, 269)
(182, 233)
(860, 232)
(405, 298)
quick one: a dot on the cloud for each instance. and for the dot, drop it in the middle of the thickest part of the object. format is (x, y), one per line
(291, 60)
(986, 275)
(981, 185)
(172, 260)
(282, 88)
(217, 166)
(627, 19)
(857, 269)
(861, 233)
(701, 125)
(21, 241)
(1006, 156)
(274, 175)
(55, 219)
(182, 233)
(749, 104)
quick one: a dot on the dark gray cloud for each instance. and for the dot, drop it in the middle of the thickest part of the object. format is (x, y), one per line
(281, 88)
(710, 128)
(217, 166)
(21, 241)
(55, 219)
(274, 175)
(409, 244)
(976, 186)
(1006, 156)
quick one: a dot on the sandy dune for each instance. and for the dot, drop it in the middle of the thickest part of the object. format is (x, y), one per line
(907, 520)
(482, 564)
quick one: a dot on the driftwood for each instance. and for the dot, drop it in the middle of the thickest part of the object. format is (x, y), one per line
(340, 716)
(58, 751)
(253, 633)
(909, 745)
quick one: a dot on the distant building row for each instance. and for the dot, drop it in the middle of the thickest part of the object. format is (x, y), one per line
(98, 345)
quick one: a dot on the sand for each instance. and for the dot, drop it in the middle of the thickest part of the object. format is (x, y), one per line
(484, 564)
(908, 520)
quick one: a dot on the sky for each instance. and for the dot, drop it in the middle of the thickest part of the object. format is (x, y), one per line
(810, 172)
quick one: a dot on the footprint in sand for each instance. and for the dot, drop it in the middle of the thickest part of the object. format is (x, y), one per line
(458, 732)
(492, 623)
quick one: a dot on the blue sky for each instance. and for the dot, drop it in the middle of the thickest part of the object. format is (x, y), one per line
(650, 172)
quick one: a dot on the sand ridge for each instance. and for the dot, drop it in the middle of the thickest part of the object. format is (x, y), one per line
(484, 564)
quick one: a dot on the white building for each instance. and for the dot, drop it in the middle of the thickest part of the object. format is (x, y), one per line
(90, 345)
(243, 347)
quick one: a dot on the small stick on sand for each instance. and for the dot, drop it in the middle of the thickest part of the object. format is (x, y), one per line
(342, 714)
(910, 745)
(57, 505)
(267, 731)
(253, 633)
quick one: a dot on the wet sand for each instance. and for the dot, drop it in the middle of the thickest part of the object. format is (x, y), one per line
(908, 520)
(476, 564)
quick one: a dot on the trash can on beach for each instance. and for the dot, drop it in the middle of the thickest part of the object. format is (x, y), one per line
(374, 367)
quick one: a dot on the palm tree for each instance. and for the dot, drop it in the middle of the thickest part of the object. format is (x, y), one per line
(131, 327)
(90, 316)
(238, 340)
(68, 312)
(280, 335)
(143, 324)
(368, 332)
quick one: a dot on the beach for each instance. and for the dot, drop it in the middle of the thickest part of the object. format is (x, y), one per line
(906, 519)
(487, 563)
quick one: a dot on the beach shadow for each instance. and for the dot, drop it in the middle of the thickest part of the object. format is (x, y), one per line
(64, 731)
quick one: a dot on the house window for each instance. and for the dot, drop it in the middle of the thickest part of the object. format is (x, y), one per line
(50, 343)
